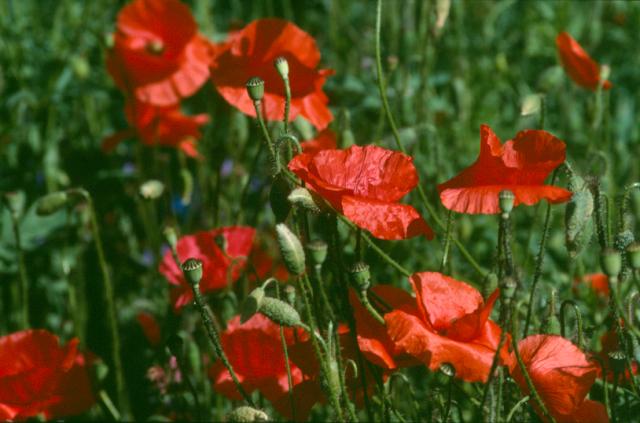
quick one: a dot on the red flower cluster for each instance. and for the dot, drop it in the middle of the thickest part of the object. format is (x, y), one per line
(39, 376)
(433, 328)
(251, 52)
(578, 64)
(562, 376)
(223, 252)
(365, 184)
(520, 165)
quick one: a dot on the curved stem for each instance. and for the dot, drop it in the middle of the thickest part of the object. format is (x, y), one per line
(365, 302)
(267, 137)
(576, 310)
(516, 407)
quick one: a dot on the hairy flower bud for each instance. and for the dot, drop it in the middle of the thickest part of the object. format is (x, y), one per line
(282, 66)
(303, 198)
(291, 250)
(611, 262)
(255, 88)
(192, 269)
(279, 312)
(246, 414)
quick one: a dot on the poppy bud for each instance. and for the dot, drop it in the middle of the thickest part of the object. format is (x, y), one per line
(282, 66)
(280, 189)
(51, 203)
(611, 262)
(633, 253)
(360, 276)
(508, 288)
(151, 189)
(279, 312)
(291, 250)
(302, 197)
(617, 360)
(317, 251)
(507, 199)
(255, 88)
(175, 343)
(246, 414)
(192, 269)
(447, 369)
(251, 304)
(171, 236)
(290, 294)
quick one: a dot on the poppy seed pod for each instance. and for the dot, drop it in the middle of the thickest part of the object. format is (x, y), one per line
(51, 203)
(245, 414)
(633, 253)
(251, 304)
(255, 88)
(506, 199)
(360, 276)
(611, 262)
(282, 66)
(192, 269)
(291, 250)
(302, 197)
(317, 251)
(279, 312)
(617, 360)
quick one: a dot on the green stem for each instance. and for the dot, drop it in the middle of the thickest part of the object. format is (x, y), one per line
(285, 349)
(576, 310)
(267, 138)
(287, 104)
(365, 302)
(517, 407)
(447, 241)
(22, 269)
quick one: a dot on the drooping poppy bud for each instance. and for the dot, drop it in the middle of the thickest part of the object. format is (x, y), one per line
(279, 312)
(302, 197)
(255, 88)
(251, 304)
(291, 250)
(192, 269)
(246, 414)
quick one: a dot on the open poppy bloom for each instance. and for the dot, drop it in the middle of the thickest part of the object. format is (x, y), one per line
(365, 184)
(223, 252)
(520, 165)
(251, 52)
(578, 64)
(562, 376)
(448, 323)
(610, 342)
(160, 126)
(256, 356)
(39, 376)
(373, 340)
(325, 140)
(158, 55)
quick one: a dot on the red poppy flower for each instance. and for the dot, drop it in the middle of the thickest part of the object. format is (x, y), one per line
(610, 342)
(325, 140)
(256, 356)
(39, 376)
(598, 282)
(365, 184)
(578, 64)
(150, 328)
(158, 55)
(221, 267)
(160, 126)
(448, 323)
(373, 340)
(520, 165)
(251, 52)
(562, 376)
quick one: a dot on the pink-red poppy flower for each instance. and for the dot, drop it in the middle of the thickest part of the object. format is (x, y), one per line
(447, 324)
(578, 64)
(257, 357)
(150, 328)
(158, 57)
(221, 266)
(562, 376)
(598, 282)
(366, 184)
(373, 340)
(251, 52)
(39, 376)
(325, 140)
(520, 165)
(159, 126)
(610, 342)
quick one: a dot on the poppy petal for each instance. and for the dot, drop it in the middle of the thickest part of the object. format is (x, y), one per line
(578, 64)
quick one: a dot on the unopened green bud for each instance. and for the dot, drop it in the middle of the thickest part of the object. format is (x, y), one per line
(280, 312)
(617, 361)
(360, 276)
(246, 414)
(508, 287)
(290, 294)
(192, 269)
(251, 304)
(633, 253)
(506, 201)
(51, 203)
(317, 251)
(282, 66)
(291, 250)
(611, 262)
(302, 197)
(255, 88)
